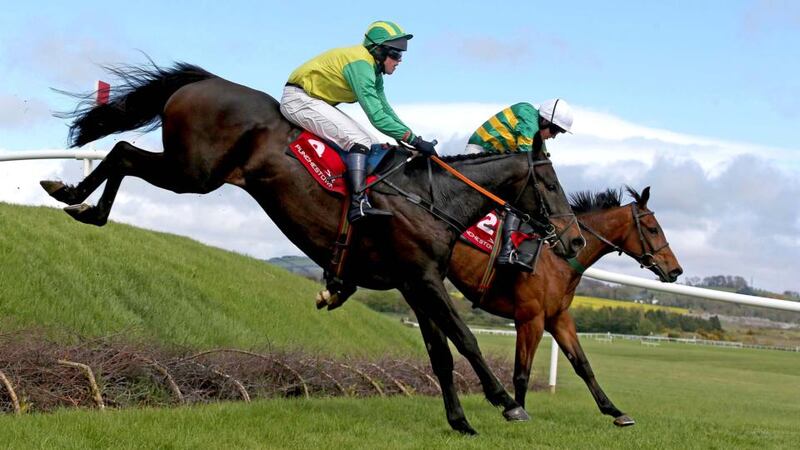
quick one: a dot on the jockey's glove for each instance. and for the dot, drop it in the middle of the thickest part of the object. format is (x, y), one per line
(425, 147)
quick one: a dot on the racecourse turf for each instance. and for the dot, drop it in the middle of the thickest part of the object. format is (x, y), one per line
(681, 396)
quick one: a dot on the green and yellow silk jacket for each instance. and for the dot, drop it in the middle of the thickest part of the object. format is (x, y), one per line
(347, 75)
(510, 130)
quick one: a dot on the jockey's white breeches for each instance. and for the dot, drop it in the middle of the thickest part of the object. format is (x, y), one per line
(324, 120)
(473, 148)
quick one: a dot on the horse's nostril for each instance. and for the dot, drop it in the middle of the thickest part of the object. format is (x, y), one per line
(578, 243)
(675, 273)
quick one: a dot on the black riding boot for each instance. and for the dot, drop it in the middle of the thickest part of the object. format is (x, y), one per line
(356, 160)
(508, 254)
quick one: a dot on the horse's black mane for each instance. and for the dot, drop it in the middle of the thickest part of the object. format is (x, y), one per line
(588, 201)
(468, 156)
(635, 195)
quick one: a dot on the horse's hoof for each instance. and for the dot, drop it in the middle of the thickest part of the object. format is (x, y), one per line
(335, 305)
(463, 427)
(335, 301)
(320, 300)
(517, 414)
(86, 214)
(57, 190)
(624, 421)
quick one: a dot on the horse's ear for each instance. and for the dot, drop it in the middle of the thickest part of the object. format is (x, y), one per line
(644, 198)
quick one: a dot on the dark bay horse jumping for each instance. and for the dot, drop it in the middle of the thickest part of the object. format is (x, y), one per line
(216, 132)
(540, 301)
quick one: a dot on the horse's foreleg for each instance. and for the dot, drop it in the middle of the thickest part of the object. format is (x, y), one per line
(431, 300)
(529, 334)
(442, 364)
(562, 328)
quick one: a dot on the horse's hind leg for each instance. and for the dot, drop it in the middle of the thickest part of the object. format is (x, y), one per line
(123, 160)
(562, 328)
(73, 195)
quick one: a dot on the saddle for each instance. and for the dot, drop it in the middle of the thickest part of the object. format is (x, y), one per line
(323, 161)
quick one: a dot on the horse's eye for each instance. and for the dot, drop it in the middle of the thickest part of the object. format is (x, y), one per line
(652, 230)
(551, 187)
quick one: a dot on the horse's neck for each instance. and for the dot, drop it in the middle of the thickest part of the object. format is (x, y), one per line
(502, 176)
(612, 224)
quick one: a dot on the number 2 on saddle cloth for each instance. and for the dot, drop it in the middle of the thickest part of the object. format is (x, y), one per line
(323, 162)
(482, 237)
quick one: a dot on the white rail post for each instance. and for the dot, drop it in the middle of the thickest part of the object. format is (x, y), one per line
(87, 166)
(553, 363)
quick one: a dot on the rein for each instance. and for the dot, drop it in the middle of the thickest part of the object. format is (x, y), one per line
(430, 207)
(548, 229)
(468, 182)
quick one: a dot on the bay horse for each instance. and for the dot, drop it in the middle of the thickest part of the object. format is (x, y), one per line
(540, 301)
(215, 131)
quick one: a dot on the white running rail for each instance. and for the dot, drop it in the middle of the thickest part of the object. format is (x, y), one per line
(692, 291)
(86, 155)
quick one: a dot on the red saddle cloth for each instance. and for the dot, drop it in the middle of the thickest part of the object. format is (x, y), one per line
(321, 161)
(482, 234)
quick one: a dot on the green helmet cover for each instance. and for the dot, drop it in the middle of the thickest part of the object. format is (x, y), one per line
(382, 31)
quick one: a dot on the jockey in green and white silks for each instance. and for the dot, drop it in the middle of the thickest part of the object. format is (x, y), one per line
(520, 128)
(349, 75)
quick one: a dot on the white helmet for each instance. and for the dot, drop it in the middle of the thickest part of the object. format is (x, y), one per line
(558, 112)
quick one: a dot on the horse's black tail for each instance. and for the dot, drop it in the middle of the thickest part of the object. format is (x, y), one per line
(136, 102)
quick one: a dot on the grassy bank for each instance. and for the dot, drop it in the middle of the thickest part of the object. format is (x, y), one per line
(63, 275)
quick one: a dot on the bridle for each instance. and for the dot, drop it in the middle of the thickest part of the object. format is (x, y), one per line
(646, 259)
(547, 230)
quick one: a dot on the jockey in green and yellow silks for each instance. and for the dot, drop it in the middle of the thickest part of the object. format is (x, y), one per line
(349, 75)
(520, 128)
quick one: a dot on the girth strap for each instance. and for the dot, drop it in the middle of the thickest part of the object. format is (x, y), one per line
(341, 246)
(488, 273)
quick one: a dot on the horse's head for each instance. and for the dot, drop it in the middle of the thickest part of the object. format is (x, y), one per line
(543, 199)
(646, 241)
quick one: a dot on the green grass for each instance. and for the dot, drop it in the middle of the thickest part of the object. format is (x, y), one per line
(596, 303)
(60, 274)
(681, 397)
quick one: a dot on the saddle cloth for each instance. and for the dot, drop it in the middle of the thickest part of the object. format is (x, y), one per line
(324, 162)
(482, 234)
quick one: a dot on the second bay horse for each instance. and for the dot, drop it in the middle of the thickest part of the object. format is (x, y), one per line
(540, 301)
